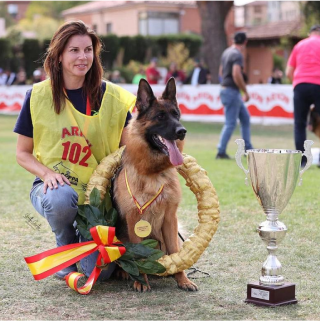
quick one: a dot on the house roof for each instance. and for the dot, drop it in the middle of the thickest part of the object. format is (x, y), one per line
(256, 3)
(274, 30)
(100, 5)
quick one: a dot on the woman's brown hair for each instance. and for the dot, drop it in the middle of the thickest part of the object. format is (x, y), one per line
(92, 82)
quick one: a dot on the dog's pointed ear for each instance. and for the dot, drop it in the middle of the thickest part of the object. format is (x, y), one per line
(145, 96)
(170, 90)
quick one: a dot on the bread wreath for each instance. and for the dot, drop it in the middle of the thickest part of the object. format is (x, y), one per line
(208, 207)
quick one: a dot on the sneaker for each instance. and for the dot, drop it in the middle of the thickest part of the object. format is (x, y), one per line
(63, 273)
(222, 156)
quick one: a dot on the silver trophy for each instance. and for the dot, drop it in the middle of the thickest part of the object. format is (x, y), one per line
(274, 174)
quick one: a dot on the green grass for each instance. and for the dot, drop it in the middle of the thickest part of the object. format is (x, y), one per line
(233, 258)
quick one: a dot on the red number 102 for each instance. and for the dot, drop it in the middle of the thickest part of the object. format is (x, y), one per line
(73, 153)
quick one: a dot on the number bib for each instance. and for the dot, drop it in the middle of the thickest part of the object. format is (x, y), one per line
(72, 143)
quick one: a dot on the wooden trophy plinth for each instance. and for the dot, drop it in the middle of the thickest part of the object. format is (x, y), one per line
(271, 295)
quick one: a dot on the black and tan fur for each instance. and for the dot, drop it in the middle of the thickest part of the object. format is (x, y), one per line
(147, 162)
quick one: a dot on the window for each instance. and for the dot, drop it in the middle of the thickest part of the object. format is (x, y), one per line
(13, 10)
(257, 9)
(109, 28)
(158, 23)
(239, 20)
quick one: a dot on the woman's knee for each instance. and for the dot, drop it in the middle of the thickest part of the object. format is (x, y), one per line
(61, 200)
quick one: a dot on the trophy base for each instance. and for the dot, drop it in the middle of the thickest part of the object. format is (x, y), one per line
(271, 295)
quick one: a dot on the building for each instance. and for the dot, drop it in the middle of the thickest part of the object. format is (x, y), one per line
(17, 9)
(283, 10)
(130, 18)
(264, 42)
(267, 25)
(260, 12)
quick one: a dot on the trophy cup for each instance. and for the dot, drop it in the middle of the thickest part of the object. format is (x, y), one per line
(274, 174)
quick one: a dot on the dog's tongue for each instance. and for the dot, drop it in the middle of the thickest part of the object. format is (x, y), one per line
(175, 155)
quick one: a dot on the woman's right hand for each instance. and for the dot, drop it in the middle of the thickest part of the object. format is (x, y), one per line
(51, 180)
(26, 159)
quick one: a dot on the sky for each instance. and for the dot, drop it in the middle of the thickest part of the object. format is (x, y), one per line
(241, 2)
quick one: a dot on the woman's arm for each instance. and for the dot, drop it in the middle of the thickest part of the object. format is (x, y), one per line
(26, 160)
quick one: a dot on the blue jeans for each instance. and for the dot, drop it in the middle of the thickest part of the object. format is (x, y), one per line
(234, 108)
(59, 207)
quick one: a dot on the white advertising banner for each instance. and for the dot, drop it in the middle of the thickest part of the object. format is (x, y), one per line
(269, 104)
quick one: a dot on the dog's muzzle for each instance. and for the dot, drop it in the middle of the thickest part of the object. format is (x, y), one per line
(181, 132)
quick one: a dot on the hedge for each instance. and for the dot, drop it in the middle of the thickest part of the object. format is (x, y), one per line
(32, 54)
(138, 48)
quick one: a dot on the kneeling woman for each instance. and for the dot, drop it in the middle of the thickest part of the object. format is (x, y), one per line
(67, 125)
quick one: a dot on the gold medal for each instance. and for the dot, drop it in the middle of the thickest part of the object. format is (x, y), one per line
(142, 228)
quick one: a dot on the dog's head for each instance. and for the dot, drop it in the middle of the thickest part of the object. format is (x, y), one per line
(159, 119)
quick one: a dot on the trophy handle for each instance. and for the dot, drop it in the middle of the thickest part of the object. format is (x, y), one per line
(308, 154)
(240, 152)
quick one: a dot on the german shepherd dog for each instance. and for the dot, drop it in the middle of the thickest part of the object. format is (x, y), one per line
(148, 163)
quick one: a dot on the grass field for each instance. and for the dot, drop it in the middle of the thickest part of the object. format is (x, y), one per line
(233, 258)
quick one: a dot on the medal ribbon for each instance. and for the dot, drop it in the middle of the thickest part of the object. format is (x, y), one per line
(147, 204)
(49, 262)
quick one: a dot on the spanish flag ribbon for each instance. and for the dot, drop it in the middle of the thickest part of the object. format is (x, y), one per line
(49, 262)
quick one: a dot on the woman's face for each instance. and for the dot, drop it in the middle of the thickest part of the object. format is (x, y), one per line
(77, 57)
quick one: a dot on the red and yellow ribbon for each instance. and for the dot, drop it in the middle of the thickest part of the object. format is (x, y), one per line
(49, 262)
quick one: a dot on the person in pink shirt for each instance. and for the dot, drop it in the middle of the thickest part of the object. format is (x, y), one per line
(303, 69)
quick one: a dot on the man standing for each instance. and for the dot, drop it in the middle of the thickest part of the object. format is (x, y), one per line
(232, 82)
(303, 69)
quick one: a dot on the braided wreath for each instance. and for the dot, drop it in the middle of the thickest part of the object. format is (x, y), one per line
(208, 208)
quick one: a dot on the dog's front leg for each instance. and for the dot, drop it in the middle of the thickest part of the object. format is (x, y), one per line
(133, 238)
(170, 236)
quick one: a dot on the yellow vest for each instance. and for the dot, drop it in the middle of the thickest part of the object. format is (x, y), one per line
(72, 143)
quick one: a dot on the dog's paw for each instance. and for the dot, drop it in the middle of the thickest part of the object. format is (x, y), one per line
(139, 287)
(188, 286)
(122, 275)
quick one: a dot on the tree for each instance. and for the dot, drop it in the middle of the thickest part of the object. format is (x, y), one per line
(51, 9)
(311, 11)
(213, 15)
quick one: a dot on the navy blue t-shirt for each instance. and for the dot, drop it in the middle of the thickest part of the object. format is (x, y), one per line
(24, 124)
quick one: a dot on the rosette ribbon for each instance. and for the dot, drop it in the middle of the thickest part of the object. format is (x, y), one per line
(49, 262)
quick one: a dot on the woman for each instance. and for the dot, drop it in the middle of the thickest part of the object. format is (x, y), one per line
(69, 122)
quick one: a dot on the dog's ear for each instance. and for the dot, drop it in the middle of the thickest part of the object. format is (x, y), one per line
(170, 90)
(145, 96)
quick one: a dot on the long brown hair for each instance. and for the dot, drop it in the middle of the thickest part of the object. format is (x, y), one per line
(92, 82)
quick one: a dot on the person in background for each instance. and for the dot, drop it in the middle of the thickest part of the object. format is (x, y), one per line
(116, 77)
(276, 77)
(36, 76)
(21, 77)
(11, 77)
(152, 74)
(303, 69)
(178, 75)
(199, 75)
(140, 75)
(61, 139)
(232, 82)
